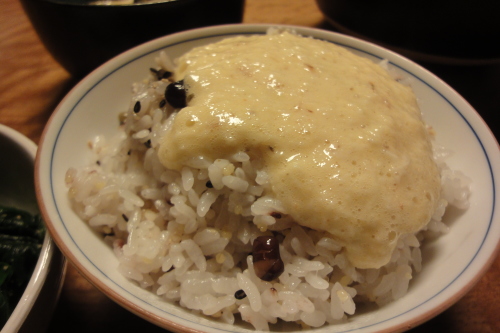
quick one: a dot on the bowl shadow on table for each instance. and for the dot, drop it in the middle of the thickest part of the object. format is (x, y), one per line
(82, 307)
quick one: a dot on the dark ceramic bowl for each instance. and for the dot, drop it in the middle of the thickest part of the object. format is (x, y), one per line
(441, 31)
(81, 35)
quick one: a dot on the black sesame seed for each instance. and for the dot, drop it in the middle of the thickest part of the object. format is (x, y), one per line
(137, 107)
(209, 184)
(276, 215)
(163, 103)
(175, 94)
(240, 294)
(161, 73)
(125, 217)
(98, 162)
(166, 74)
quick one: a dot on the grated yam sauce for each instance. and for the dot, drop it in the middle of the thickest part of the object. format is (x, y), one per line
(343, 142)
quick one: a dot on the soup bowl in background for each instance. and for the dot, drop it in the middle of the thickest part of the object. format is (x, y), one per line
(83, 34)
(437, 31)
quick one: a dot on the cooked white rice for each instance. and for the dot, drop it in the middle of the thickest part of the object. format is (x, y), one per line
(192, 244)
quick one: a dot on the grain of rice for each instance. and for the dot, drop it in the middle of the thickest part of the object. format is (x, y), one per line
(240, 157)
(214, 247)
(316, 281)
(385, 284)
(295, 302)
(250, 316)
(336, 309)
(251, 291)
(187, 178)
(141, 134)
(103, 219)
(314, 319)
(289, 280)
(225, 285)
(129, 272)
(194, 252)
(227, 317)
(235, 183)
(312, 292)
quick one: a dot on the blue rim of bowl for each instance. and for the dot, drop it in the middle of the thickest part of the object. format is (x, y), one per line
(228, 34)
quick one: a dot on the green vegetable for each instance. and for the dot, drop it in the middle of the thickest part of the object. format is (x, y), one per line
(20, 223)
(21, 238)
(5, 310)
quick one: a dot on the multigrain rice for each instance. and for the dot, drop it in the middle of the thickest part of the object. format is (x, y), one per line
(187, 236)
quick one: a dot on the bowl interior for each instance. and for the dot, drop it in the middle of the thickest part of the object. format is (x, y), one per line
(16, 171)
(452, 263)
(18, 191)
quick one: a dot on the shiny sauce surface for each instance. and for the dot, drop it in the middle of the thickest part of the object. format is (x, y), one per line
(343, 143)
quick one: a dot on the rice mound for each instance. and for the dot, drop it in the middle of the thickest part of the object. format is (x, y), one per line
(187, 235)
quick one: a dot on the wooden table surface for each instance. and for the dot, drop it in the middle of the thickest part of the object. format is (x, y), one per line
(32, 83)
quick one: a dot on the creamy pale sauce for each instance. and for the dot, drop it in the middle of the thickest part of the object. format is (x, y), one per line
(343, 142)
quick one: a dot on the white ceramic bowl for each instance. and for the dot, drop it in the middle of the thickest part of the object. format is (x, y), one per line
(17, 189)
(452, 264)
